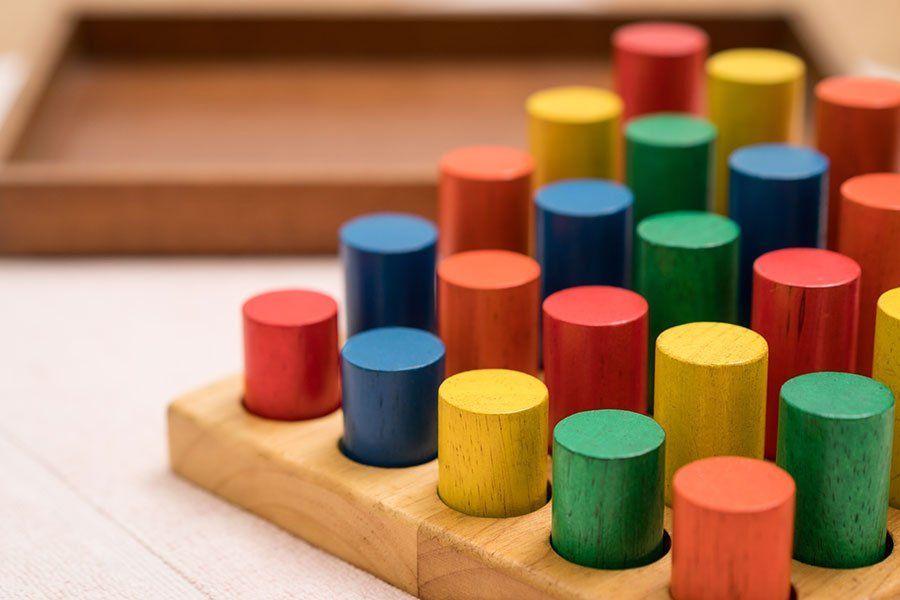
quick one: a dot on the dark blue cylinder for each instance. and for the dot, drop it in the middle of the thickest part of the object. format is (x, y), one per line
(389, 262)
(390, 378)
(583, 234)
(777, 195)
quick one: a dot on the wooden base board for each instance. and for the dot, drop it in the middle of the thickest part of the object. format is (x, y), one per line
(391, 522)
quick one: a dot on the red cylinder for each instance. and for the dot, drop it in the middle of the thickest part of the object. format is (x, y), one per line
(484, 199)
(595, 350)
(659, 67)
(488, 311)
(858, 128)
(870, 235)
(291, 355)
(806, 306)
(732, 530)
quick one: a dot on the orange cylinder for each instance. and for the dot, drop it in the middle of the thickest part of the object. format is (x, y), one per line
(732, 530)
(488, 310)
(484, 199)
(858, 128)
(870, 235)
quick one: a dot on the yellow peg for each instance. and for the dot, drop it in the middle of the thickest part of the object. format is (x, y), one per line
(886, 369)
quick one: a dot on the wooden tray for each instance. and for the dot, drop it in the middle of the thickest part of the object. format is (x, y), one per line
(391, 522)
(202, 132)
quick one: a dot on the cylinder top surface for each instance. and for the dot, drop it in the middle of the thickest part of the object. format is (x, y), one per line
(889, 303)
(493, 391)
(489, 269)
(574, 104)
(712, 344)
(487, 163)
(733, 484)
(393, 349)
(584, 197)
(388, 233)
(608, 434)
(860, 92)
(807, 267)
(671, 129)
(878, 190)
(658, 38)
(595, 305)
(837, 395)
(779, 161)
(688, 229)
(755, 66)
(290, 308)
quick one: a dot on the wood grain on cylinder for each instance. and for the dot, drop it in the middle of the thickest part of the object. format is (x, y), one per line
(886, 369)
(492, 443)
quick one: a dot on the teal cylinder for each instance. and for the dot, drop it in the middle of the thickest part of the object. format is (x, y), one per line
(835, 433)
(608, 481)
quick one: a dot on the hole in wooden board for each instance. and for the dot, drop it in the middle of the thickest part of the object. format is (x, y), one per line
(664, 549)
(356, 459)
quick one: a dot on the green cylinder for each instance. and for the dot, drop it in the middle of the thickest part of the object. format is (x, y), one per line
(608, 479)
(835, 432)
(669, 163)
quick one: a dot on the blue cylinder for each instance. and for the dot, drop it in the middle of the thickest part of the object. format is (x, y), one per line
(389, 262)
(583, 234)
(777, 194)
(390, 378)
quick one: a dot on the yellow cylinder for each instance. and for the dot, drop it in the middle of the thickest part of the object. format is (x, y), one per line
(755, 96)
(492, 443)
(574, 133)
(710, 393)
(886, 369)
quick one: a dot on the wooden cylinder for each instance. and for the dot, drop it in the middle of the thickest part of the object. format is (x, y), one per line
(484, 199)
(489, 306)
(574, 133)
(710, 393)
(595, 350)
(805, 305)
(492, 443)
(733, 523)
(608, 489)
(389, 262)
(291, 355)
(777, 198)
(858, 127)
(389, 379)
(834, 438)
(658, 67)
(870, 235)
(755, 96)
(886, 369)
(669, 163)
(583, 234)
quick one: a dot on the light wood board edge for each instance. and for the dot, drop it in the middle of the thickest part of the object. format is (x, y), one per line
(391, 523)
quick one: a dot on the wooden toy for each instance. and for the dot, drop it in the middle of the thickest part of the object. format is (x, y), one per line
(291, 355)
(870, 234)
(389, 383)
(492, 443)
(755, 96)
(710, 393)
(658, 67)
(595, 350)
(608, 469)
(834, 438)
(777, 197)
(669, 163)
(732, 531)
(574, 133)
(389, 264)
(806, 306)
(583, 234)
(858, 127)
(489, 306)
(484, 199)
(886, 369)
